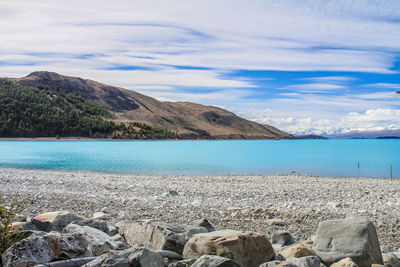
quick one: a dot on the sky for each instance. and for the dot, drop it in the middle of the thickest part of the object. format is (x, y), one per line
(303, 66)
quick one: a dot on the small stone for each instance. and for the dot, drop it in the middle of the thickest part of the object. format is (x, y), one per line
(204, 223)
(283, 238)
(100, 215)
(277, 222)
(123, 215)
(173, 193)
(390, 260)
(106, 210)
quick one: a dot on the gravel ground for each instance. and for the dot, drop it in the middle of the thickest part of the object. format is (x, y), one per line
(235, 202)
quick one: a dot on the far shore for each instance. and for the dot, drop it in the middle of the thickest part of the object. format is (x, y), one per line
(242, 202)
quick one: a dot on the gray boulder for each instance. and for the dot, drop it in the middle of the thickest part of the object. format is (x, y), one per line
(353, 237)
(214, 261)
(98, 224)
(98, 241)
(310, 261)
(136, 256)
(390, 260)
(158, 235)
(76, 242)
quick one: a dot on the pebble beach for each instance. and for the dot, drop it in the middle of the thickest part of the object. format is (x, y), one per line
(266, 204)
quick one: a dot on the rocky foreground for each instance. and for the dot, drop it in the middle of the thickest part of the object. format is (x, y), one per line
(289, 207)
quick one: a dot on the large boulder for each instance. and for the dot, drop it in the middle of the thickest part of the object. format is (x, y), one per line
(310, 261)
(54, 221)
(76, 242)
(136, 256)
(98, 241)
(98, 224)
(214, 261)
(353, 237)
(245, 248)
(158, 235)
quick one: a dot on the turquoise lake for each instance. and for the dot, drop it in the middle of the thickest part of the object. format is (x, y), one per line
(338, 158)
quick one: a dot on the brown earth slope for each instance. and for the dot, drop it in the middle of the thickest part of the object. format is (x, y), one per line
(190, 120)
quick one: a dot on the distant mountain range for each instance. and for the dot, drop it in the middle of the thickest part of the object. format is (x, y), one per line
(49, 104)
(366, 134)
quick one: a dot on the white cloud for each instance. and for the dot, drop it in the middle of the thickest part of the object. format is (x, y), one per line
(373, 119)
(310, 87)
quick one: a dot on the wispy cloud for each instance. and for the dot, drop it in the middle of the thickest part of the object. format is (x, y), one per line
(193, 50)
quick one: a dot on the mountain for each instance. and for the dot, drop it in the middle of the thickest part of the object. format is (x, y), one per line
(108, 110)
(310, 136)
(366, 134)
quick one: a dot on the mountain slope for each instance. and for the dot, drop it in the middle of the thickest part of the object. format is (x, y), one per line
(189, 120)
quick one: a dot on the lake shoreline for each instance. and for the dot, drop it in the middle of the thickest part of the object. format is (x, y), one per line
(242, 202)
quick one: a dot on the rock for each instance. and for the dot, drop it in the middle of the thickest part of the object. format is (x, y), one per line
(296, 251)
(55, 220)
(98, 241)
(245, 248)
(17, 225)
(173, 193)
(158, 235)
(346, 262)
(214, 261)
(390, 260)
(106, 210)
(310, 261)
(123, 215)
(182, 263)
(136, 256)
(100, 216)
(45, 248)
(353, 237)
(100, 225)
(277, 222)
(118, 238)
(204, 223)
(112, 230)
(283, 238)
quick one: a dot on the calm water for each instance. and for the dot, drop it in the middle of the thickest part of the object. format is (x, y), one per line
(316, 157)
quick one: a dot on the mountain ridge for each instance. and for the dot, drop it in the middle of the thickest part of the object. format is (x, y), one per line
(188, 120)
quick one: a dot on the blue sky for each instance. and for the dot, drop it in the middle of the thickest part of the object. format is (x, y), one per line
(303, 66)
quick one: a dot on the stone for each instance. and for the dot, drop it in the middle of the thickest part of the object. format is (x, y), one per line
(353, 237)
(245, 248)
(98, 241)
(390, 260)
(182, 263)
(98, 224)
(136, 256)
(158, 235)
(283, 238)
(100, 216)
(17, 225)
(112, 230)
(106, 210)
(173, 193)
(55, 220)
(309, 261)
(48, 247)
(214, 261)
(276, 222)
(346, 262)
(296, 251)
(204, 223)
(123, 215)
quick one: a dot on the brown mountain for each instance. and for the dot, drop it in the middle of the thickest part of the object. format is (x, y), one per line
(189, 120)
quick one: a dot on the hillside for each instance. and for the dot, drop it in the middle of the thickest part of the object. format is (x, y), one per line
(119, 108)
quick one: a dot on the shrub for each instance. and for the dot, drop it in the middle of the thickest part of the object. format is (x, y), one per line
(7, 215)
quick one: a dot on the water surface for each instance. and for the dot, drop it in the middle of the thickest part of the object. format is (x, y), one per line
(314, 157)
